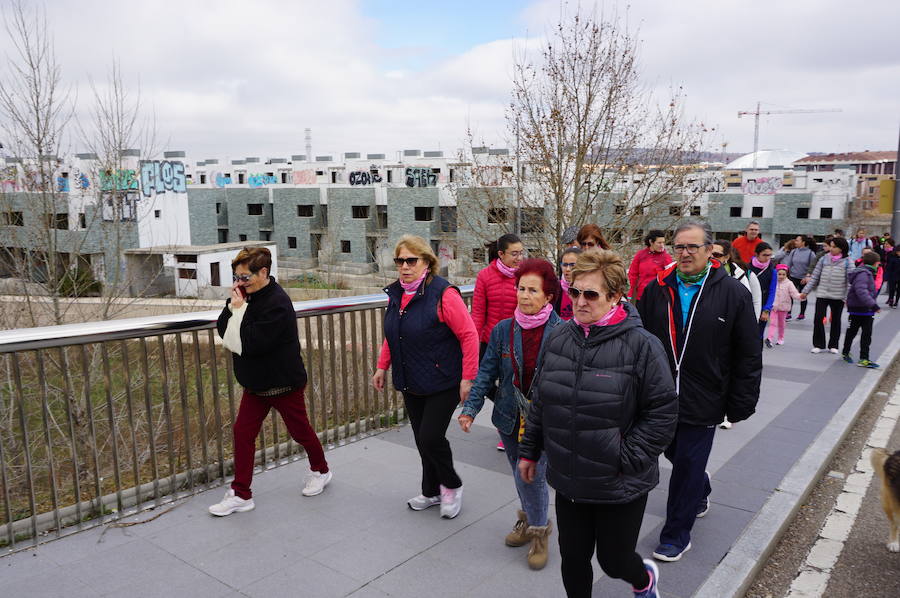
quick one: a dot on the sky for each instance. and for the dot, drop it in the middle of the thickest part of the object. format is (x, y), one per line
(230, 78)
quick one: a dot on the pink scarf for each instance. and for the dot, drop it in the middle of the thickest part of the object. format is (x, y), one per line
(504, 269)
(836, 258)
(534, 320)
(613, 316)
(410, 288)
(759, 264)
(564, 284)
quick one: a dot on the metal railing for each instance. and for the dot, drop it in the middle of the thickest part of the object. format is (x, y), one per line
(101, 420)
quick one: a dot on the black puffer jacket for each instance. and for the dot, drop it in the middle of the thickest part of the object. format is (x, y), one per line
(603, 408)
(721, 358)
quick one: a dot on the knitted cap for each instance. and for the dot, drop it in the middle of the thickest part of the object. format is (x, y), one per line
(781, 267)
(569, 235)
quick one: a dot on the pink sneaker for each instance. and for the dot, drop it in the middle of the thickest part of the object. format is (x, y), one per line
(500, 446)
(779, 342)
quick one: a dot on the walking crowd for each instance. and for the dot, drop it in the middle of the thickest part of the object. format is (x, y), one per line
(594, 369)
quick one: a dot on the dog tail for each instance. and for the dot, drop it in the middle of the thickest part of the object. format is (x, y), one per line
(878, 458)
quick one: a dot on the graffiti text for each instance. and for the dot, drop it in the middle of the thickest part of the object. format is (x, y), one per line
(763, 185)
(162, 176)
(420, 177)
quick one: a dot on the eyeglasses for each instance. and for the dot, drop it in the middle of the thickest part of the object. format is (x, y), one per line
(575, 293)
(691, 248)
(409, 261)
(718, 255)
(567, 264)
(242, 277)
(589, 244)
(513, 253)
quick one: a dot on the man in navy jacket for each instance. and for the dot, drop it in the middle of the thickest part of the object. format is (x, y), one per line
(705, 320)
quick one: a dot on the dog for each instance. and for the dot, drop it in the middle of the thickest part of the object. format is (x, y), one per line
(887, 466)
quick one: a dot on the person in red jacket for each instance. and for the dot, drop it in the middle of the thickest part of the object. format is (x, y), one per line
(746, 245)
(495, 295)
(647, 262)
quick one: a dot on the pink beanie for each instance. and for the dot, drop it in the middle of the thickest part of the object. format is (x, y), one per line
(781, 267)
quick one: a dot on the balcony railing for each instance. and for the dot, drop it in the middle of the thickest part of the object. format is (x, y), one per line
(101, 420)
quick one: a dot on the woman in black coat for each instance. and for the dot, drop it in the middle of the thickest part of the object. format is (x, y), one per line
(603, 409)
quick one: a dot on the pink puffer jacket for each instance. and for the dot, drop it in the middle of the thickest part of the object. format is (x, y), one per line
(494, 300)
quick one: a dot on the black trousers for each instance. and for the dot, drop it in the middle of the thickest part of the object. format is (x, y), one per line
(893, 291)
(858, 323)
(834, 339)
(429, 417)
(610, 529)
(799, 287)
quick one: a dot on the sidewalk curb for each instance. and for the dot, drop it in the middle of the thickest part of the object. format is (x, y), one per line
(734, 574)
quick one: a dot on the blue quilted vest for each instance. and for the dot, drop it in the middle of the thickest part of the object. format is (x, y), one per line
(426, 357)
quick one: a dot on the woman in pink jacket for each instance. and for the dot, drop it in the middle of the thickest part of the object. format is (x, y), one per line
(495, 295)
(647, 263)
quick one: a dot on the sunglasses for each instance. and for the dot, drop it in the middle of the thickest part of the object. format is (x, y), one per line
(718, 255)
(589, 244)
(409, 261)
(242, 277)
(589, 295)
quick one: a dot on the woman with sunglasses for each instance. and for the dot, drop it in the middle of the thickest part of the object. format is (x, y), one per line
(512, 357)
(563, 303)
(647, 263)
(495, 291)
(603, 408)
(590, 237)
(433, 346)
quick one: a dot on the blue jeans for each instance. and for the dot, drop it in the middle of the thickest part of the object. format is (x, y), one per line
(535, 497)
(688, 453)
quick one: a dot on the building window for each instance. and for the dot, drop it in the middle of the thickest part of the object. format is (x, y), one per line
(284, 178)
(735, 211)
(674, 211)
(265, 235)
(185, 258)
(532, 220)
(381, 216)
(333, 176)
(756, 212)
(254, 209)
(187, 273)
(223, 236)
(424, 214)
(13, 219)
(803, 213)
(218, 208)
(695, 210)
(390, 176)
(618, 209)
(448, 219)
(241, 178)
(58, 221)
(157, 214)
(825, 213)
(345, 246)
(320, 172)
(82, 221)
(497, 216)
(242, 237)
(292, 242)
(304, 211)
(202, 179)
(452, 174)
(478, 255)
(360, 212)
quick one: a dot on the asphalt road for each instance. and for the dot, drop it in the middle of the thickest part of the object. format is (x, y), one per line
(865, 567)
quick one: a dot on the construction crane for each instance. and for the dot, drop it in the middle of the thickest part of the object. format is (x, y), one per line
(757, 112)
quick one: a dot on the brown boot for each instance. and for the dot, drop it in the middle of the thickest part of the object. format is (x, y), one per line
(519, 535)
(537, 554)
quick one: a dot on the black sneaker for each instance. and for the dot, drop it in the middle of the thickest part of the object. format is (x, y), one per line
(703, 508)
(768, 344)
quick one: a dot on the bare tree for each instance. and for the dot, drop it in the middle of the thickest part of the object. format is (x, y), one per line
(591, 142)
(35, 109)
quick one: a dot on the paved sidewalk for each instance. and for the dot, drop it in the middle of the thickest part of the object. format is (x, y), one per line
(359, 539)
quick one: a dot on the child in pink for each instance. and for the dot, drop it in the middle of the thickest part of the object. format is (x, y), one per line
(781, 306)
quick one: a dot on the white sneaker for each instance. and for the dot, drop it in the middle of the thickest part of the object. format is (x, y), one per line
(815, 350)
(833, 350)
(422, 502)
(725, 425)
(316, 482)
(231, 504)
(451, 502)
